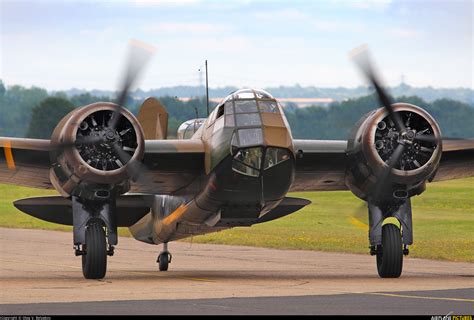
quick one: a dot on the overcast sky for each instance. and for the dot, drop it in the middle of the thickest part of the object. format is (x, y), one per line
(82, 44)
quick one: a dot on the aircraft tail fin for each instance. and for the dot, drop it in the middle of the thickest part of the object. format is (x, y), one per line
(153, 118)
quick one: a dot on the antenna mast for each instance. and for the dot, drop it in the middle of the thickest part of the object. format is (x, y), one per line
(207, 92)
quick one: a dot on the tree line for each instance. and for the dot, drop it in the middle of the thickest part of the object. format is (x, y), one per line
(33, 113)
(455, 118)
(296, 91)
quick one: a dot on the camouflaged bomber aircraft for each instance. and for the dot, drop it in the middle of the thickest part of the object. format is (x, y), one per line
(232, 169)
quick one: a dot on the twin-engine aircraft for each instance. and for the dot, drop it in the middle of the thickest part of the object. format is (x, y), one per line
(232, 169)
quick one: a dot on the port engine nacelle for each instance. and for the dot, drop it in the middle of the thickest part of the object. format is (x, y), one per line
(95, 170)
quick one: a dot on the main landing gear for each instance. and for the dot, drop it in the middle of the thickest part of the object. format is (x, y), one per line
(390, 253)
(95, 234)
(94, 252)
(389, 235)
(164, 258)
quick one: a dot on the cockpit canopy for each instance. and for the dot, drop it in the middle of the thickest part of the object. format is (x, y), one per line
(247, 101)
(250, 93)
(250, 100)
(242, 110)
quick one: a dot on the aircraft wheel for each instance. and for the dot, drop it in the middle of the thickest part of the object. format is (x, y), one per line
(390, 256)
(94, 259)
(164, 261)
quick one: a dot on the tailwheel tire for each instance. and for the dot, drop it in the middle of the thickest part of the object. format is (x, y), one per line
(164, 261)
(390, 257)
(94, 260)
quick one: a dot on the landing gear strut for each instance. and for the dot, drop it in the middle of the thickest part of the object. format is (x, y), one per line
(164, 258)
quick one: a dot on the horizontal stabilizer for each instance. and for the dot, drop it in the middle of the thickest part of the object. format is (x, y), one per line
(56, 209)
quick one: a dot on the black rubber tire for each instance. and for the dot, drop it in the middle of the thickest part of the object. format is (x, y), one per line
(94, 261)
(163, 261)
(390, 260)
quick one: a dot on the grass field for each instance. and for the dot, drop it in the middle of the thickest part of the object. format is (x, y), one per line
(443, 223)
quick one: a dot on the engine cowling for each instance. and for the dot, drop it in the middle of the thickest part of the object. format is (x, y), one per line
(373, 141)
(95, 170)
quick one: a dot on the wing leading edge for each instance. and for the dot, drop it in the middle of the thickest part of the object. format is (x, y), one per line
(173, 163)
(25, 162)
(321, 164)
(457, 160)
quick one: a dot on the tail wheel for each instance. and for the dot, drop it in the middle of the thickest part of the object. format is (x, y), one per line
(163, 261)
(390, 257)
(94, 260)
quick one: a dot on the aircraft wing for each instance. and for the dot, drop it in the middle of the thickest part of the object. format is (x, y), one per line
(25, 162)
(173, 163)
(457, 160)
(322, 164)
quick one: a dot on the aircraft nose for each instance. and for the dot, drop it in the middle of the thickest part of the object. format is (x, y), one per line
(255, 161)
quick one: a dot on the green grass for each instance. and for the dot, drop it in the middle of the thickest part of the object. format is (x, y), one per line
(443, 219)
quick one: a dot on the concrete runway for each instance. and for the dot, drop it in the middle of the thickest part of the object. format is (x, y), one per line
(39, 274)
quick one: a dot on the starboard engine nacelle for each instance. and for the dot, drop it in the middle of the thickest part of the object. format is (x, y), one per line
(95, 170)
(373, 142)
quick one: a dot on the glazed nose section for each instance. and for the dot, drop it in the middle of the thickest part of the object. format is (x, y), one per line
(274, 167)
(256, 160)
(278, 173)
(261, 144)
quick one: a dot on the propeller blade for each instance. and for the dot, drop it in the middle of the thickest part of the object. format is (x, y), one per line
(139, 55)
(360, 218)
(427, 138)
(362, 59)
(383, 180)
(77, 142)
(432, 138)
(136, 169)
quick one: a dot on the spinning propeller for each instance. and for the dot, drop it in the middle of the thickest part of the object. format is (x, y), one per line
(403, 140)
(407, 144)
(109, 136)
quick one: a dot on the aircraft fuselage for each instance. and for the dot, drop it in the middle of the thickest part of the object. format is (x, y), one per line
(249, 168)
